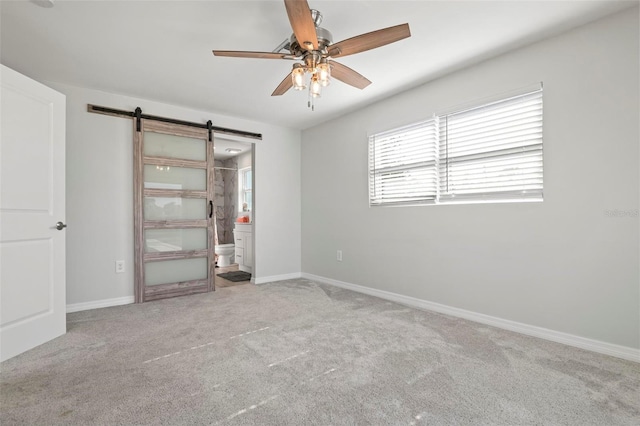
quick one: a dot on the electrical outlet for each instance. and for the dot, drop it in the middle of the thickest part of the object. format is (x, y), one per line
(339, 256)
(119, 266)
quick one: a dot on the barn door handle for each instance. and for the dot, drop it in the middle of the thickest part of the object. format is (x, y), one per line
(60, 226)
(210, 208)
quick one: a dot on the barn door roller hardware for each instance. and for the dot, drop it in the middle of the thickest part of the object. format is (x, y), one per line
(139, 115)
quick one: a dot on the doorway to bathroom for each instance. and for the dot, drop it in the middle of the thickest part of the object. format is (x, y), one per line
(187, 205)
(233, 212)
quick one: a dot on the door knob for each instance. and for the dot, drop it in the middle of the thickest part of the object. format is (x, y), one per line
(60, 226)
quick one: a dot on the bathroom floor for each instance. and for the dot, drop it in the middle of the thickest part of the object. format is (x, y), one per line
(221, 282)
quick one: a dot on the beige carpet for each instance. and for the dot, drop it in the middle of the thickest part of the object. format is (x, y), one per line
(298, 353)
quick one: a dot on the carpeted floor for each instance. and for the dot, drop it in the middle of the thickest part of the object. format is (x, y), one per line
(297, 353)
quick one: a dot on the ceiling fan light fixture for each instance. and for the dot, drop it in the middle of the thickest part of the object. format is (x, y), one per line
(316, 87)
(297, 77)
(323, 71)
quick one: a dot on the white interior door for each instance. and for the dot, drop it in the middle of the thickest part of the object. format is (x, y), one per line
(32, 249)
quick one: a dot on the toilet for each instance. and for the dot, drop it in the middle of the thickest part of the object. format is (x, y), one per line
(225, 252)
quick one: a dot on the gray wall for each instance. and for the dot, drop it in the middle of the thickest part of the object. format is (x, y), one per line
(244, 160)
(562, 264)
(100, 195)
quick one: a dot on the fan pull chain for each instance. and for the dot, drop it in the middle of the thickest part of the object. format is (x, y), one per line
(310, 102)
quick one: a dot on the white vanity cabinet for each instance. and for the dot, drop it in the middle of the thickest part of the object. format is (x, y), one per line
(243, 236)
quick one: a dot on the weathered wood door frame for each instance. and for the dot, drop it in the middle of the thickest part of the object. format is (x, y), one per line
(144, 293)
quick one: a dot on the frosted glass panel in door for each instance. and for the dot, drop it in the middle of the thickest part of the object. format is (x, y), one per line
(158, 240)
(165, 208)
(174, 271)
(165, 177)
(170, 146)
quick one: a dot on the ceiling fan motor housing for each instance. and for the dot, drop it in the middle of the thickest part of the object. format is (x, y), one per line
(325, 38)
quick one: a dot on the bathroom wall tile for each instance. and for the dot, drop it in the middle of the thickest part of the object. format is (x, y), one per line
(230, 178)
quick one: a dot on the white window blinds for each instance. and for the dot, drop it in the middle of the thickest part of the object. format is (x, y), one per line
(403, 165)
(491, 152)
(494, 151)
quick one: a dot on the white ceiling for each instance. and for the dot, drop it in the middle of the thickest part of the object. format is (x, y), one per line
(223, 143)
(161, 50)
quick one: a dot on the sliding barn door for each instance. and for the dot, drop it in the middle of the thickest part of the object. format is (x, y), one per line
(173, 191)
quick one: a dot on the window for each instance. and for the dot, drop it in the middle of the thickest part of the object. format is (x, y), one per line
(245, 190)
(402, 165)
(488, 153)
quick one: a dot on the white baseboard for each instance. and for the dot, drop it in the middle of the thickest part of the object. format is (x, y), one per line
(104, 303)
(272, 278)
(618, 351)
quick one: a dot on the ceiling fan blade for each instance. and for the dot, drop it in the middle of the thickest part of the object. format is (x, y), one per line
(369, 41)
(347, 75)
(302, 23)
(245, 54)
(285, 85)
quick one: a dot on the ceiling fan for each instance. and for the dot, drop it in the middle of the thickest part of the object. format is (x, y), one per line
(313, 46)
